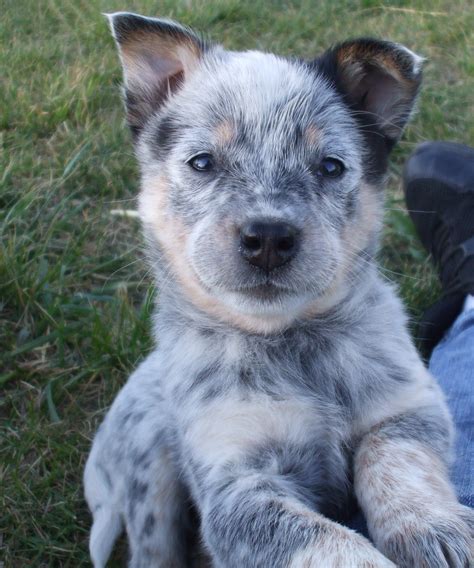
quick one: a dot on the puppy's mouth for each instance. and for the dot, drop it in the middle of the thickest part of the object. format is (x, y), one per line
(267, 290)
(264, 291)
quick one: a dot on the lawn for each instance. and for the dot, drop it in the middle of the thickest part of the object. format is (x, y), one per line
(75, 294)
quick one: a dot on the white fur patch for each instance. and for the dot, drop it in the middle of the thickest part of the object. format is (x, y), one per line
(226, 429)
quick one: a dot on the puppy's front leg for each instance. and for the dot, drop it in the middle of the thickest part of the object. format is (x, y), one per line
(256, 521)
(402, 485)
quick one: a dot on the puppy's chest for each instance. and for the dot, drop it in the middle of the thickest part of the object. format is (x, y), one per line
(275, 411)
(257, 428)
(293, 438)
(230, 406)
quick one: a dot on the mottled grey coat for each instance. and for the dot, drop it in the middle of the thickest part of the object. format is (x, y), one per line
(275, 394)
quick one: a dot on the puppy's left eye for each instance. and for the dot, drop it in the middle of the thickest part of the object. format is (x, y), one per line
(330, 168)
(201, 162)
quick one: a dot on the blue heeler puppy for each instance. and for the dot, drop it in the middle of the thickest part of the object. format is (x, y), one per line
(284, 381)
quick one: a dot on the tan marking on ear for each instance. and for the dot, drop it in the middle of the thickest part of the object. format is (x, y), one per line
(388, 64)
(355, 55)
(352, 58)
(224, 132)
(148, 44)
(313, 135)
(140, 51)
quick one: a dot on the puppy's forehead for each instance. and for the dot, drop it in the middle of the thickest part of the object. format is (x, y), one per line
(259, 78)
(262, 91)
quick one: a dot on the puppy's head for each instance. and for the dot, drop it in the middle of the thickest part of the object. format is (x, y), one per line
(261, 175)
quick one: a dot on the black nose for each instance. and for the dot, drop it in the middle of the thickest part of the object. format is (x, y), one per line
(268, 244)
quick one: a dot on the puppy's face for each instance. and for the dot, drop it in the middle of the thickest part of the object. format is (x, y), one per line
(260, 175)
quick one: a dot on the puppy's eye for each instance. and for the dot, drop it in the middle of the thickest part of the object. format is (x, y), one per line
(201, 162)
(330, 168)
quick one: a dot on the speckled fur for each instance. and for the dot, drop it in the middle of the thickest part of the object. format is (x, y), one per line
(271, 400)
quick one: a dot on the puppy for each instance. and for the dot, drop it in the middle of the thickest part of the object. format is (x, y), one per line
(284, 381)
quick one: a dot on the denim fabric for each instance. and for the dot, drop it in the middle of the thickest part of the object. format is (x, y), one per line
(452, 363)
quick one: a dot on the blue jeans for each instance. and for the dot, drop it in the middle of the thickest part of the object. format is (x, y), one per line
(452, 363)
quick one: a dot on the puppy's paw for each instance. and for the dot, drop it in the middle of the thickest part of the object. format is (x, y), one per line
(435, 543)
(346, 549)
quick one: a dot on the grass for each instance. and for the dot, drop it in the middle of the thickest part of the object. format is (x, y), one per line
(75, 296)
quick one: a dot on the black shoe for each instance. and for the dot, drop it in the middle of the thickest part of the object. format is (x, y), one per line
(439, 190)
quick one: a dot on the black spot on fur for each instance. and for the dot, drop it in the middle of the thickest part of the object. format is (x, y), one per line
(203, 377)
(166, 134)
(105, 475)
(136, 494)
(138, 490)
(351, 203)
(142, 460)
(133, 417)
(212, 392)
(343, 394)
(245, 376)
(159, 439)
(206, 332)
(149, 524)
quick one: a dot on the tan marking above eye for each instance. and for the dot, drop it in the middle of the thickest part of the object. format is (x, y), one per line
(224, 132)
(313, 135)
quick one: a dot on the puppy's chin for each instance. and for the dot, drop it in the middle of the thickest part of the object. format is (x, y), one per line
(266, 302)
(262, 308)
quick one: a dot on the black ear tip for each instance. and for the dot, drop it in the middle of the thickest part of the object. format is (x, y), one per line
(126, 25)
(413, 62)
(123, 24)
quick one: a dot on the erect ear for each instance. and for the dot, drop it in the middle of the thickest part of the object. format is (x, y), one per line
(157, 55)
(379, 78)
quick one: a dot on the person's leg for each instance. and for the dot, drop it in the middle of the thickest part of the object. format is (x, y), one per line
(439, 189)
(452, 363)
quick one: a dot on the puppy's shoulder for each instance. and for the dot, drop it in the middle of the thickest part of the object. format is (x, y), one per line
(139, 401)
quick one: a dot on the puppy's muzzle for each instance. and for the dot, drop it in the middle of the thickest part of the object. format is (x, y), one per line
(268, 244)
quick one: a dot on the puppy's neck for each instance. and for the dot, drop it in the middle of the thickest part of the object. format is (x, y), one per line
(176, 313)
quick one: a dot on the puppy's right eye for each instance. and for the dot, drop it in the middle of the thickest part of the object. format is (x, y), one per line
(330, 168)
(201, 162)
